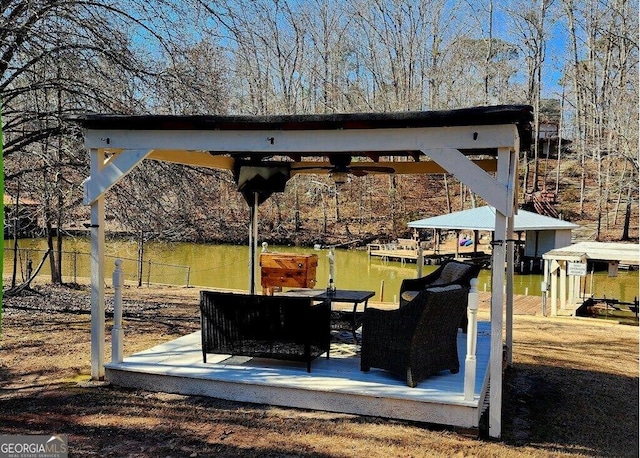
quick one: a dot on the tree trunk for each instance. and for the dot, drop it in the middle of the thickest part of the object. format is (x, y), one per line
(336, 203)
(296, 208)
(392, 200)
(446, 192)
(55, 275)
(140, 257)
(16, 212)
(627, 219)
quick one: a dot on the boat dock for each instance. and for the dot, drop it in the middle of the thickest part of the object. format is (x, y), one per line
(405, 251)
(405, 256)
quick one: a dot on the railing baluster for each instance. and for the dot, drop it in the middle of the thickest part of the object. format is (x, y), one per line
(472, 338)
(117, 333)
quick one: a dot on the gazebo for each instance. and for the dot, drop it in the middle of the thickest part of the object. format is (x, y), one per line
(479, 146)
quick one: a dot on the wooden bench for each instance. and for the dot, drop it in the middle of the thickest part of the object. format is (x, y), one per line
(286, 328)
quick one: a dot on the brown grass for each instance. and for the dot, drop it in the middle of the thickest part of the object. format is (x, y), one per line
(572, 391)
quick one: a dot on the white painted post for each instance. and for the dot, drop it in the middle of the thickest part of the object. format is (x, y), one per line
(97, 272)
(472, 339)
(544, 287)
(506, 167)
(554, 292)
(419, 261)
(331, 257)
(117, 343)
(508, 327)
(563, 285)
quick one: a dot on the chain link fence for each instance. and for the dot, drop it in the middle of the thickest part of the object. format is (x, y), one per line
(77, 265)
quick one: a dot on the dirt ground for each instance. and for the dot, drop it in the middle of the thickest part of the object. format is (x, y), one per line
(572, 391)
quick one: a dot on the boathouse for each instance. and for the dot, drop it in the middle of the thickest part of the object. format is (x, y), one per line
(564, 268)
(541, 233)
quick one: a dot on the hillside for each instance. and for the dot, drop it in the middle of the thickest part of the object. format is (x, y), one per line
(183, 204)
(379, 207)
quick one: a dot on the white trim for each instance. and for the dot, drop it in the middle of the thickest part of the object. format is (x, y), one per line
(110, 172)
(473, 176)
(306, 141)
(513, 168)
(509, 294)
(97, 274)
(505, 167)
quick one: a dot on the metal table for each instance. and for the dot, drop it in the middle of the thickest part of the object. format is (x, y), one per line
(339, 319)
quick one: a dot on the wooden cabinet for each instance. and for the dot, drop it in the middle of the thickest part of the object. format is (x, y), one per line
(285, 269)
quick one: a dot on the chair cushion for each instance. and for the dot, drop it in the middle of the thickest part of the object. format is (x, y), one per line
(409, 295)
(452, 272)
(439, 289)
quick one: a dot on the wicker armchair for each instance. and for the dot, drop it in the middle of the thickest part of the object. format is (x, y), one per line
(449, 272)
(419, 339)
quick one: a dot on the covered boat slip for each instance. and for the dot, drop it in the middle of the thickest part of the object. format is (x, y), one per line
(479, 146)
(565, 268)
(334, 385)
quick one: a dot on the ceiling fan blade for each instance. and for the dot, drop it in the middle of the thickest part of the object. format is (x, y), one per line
(370, 168)
(357, 171)
(310, 168)
(339, 166)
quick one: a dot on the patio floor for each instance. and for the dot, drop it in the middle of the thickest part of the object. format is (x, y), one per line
(335, 384)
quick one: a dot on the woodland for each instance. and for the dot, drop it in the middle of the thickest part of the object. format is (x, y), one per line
(574, 61)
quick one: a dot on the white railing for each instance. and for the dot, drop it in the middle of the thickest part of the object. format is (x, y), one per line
(472, 340)
(117, 334)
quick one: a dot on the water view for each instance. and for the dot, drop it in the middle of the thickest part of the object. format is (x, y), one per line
(227, 266)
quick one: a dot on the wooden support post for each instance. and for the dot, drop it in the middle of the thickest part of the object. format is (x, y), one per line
(506, 167)
(117, 343)
(563, 285)
(97, 272)
(419, 261)
(554, 290)
(509, 292)
(544, 287)
(472, 340)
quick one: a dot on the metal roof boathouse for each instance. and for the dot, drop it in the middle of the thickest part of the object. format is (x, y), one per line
(479, 146)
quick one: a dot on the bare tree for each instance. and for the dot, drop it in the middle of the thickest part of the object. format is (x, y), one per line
(59, 58)
(531, 28)
(605, 92)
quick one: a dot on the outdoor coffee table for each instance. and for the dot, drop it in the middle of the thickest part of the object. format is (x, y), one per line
(350, 320)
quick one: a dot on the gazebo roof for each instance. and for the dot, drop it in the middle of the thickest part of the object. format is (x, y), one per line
(628, 253)
(483, 219)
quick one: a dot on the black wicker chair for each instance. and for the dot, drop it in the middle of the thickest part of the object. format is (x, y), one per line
(419, 339)
(449, 272)
(287, 328)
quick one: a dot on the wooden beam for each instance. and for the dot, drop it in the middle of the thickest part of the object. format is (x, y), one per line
(194, 158)
(401, 168)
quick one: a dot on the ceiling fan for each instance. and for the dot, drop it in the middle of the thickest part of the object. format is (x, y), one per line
(340, 166)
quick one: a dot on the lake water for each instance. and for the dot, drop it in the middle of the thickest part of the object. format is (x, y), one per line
(226, 266)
